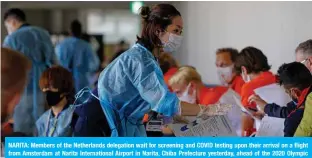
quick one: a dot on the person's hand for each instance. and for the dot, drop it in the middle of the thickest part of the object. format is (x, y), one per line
(259, 101)
(166, 130)
(259, 114)
(180, 119)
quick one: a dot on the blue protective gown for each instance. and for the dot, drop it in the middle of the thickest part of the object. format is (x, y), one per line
(77, 56)
(130, 87)
(60, 126)
(34, 43)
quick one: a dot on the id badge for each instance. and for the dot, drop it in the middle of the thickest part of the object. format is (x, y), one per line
(154, 126)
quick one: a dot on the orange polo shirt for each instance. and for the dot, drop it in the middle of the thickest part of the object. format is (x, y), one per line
(264, 79)
(237, 84)
(211, 95)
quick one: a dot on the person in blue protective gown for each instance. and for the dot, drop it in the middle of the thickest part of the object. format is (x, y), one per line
(133, 84)
(76, 55)
(57, 82)
(36, 45)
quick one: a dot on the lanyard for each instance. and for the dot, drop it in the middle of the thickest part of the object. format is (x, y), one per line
(53, 126)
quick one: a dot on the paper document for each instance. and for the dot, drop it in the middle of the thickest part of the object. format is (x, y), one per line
(213, 126)
(235, 113)
(271, 126)
(273, 93)
(227, 107)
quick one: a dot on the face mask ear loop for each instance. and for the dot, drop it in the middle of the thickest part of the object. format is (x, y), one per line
(80, 93)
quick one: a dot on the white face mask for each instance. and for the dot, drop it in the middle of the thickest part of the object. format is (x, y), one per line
(188, 98)
(225, 74)
(173, 44)
(246, 78)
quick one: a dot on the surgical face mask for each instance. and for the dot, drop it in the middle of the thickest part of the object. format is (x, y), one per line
(53, 98)
(225, 74)
(246, 78)
(173, 44)
(188, 98)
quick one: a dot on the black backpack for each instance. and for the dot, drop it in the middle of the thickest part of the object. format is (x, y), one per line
(90, 120)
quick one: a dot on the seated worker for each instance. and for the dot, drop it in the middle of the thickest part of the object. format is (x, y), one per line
(91, 121)
(225, 59)
(296, 80)
(188, 86)
(14, 72)
(58, 84)
(254, 68)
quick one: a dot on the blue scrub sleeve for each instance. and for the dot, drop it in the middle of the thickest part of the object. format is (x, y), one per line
(147, 77)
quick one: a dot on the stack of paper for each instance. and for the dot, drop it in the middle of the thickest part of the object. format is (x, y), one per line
(221, 119)
(271, 126)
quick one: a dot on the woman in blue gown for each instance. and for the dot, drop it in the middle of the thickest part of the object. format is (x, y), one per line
(133, 84)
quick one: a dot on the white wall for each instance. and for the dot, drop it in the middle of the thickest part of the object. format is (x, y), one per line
(274, 27)
(114, 24)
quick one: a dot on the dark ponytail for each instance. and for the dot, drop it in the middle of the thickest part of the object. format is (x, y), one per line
(144, 13)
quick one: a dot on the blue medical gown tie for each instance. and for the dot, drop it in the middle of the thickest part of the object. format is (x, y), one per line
(130, 87)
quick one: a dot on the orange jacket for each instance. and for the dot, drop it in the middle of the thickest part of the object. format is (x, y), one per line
(211, 95)
(264, 79)
(237, 84)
